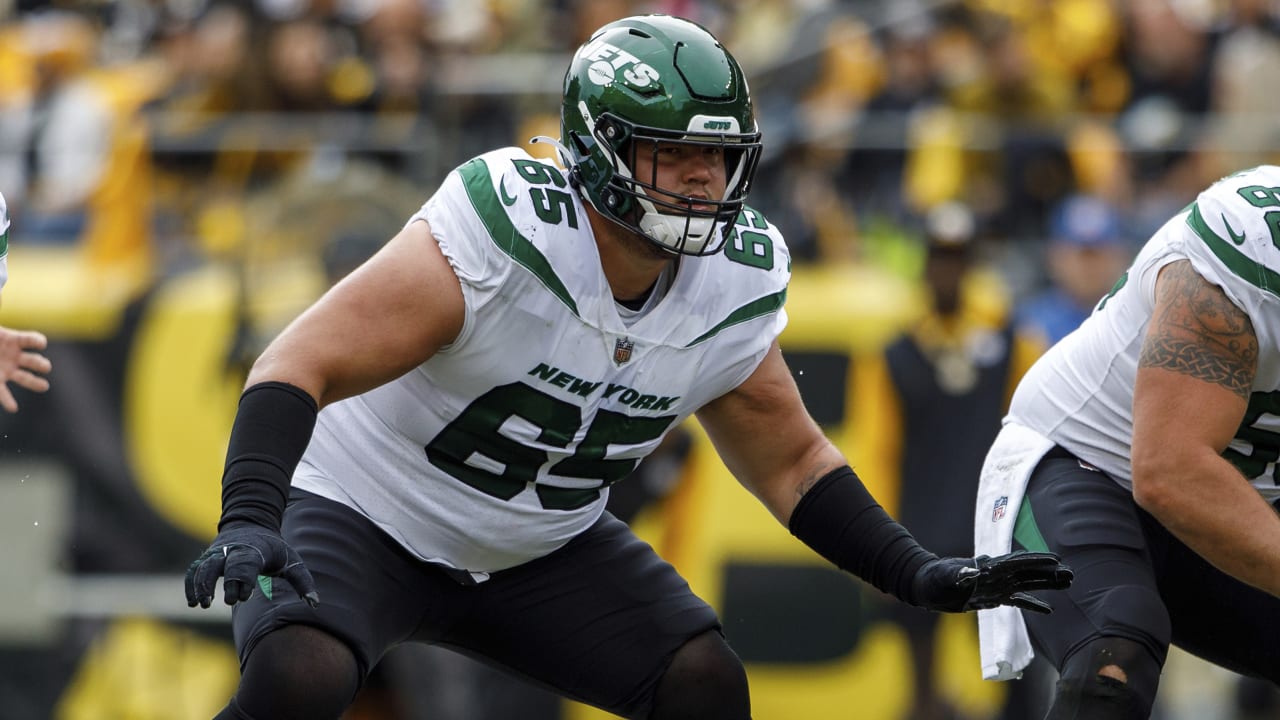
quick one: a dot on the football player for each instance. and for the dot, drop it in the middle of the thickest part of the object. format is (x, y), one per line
(1143, 449)
(529, 336)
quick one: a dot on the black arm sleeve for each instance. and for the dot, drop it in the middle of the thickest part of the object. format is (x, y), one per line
(841, 521)
(271, 431)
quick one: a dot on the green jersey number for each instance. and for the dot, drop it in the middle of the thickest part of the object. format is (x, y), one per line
(551, 205)
(750, 246)
(1261, 196)
(503, 467)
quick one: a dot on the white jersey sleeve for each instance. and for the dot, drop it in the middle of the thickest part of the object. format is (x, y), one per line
(1080, 394)
(4, 241)
(501, 447)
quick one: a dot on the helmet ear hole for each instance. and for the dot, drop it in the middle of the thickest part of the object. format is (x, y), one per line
(615, 133)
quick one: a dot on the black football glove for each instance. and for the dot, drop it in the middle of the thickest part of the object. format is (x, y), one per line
(963, 584)
(240, 553)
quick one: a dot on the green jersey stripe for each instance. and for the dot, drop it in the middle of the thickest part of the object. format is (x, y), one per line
(1026, 531)
(479, 186)
(4, 243)
(752, 310)
(1246, 268)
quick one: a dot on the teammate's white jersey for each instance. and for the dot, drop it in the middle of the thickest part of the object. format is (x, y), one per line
(500, 448)
(4, 241)
(1080, 394)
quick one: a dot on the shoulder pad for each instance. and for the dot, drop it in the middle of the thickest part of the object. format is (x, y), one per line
(1237, 221)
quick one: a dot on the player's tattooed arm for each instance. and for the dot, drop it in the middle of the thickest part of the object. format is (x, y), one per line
(1197, 331)
(1190, 399)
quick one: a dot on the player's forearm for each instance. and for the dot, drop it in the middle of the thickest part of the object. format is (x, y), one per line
(781, 489)
(1209, 506)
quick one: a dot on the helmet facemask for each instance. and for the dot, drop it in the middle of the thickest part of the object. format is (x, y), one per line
(680, 223)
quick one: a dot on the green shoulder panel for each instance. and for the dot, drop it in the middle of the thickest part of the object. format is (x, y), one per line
(757, 247)
(1243, 266)
(492, 211)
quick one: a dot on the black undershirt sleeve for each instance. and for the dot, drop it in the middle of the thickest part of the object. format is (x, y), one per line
(271, 431)
(840, 520)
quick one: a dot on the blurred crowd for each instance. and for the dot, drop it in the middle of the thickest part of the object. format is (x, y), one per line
(166, 132)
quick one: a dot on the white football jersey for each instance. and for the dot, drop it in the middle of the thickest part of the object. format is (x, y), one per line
(1080, 394)
(501, 448)
(4, 241)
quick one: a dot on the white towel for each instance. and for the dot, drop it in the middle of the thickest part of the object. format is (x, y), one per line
(1002, 634)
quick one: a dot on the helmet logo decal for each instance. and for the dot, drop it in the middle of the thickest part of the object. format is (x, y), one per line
(609, 59)
(714, 124)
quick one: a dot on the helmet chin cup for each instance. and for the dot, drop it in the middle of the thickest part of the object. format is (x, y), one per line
(677, 233)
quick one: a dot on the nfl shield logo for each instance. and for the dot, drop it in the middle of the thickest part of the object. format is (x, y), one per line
(622, 350)
(997, 512)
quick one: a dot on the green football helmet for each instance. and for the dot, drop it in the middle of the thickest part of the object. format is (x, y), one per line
(657, 78)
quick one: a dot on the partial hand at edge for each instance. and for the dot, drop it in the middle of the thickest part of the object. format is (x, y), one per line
(240, 553)
(965, 584)
(22, 364)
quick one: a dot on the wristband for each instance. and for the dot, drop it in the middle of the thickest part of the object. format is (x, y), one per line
(840, 520)
(271, 431)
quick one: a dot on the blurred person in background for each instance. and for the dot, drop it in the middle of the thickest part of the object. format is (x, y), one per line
(404, 66)
(818, 66)
(424, 454)
(1017, 181)
(1247, 43)
(874, 174)
(61, 126)
(995, 139)
(20, 360)
(84, 181)
(1087, 252)
(1142, 448)
(939, 390)
(1167, 51)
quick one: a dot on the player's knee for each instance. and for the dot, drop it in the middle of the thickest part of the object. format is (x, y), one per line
(298, 672)
(1109, 678)
(705, 680)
